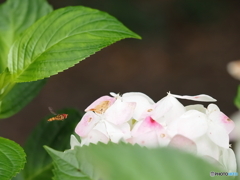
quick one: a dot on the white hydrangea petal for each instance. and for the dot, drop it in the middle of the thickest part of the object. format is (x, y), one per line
(198, 107)
(151, 139)
(148, 139)
(118, 132)
(88, 121)
(200, 97)
(172, 128)
(74, 141)
(167, 109)
(192, 124)
(211, 108)
(120, 112)
(113, 94)
(218, 134)
(228, 160)
(206, 147)
(143, 102)
(94, 137)
(101, 127)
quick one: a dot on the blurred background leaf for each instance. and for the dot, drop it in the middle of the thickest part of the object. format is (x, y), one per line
(237, 98)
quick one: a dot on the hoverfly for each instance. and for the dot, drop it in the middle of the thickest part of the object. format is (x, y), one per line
(57, 117)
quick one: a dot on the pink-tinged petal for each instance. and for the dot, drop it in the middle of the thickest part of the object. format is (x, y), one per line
(120, 112)
(149, 133)
(88, 121)
(228, 160)
(94, 137)
(147, 125)
(183, 143)
(201, 97)
(143, 103)
(167, 109)
(118, 132)
(222, 120)
(206, 147)
(101, 104)
(192, 124)
(218, 135)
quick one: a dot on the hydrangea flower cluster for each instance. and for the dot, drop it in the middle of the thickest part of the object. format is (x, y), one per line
(135, 118)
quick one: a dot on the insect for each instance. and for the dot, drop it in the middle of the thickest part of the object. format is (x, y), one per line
(57, 117)
(101, 108)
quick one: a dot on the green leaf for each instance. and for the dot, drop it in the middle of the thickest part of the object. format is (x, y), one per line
(15, 96)
(66, 165)
(12, 159)
(125, 161)
(237, 98)
(61, 39)
(55, 134)
(15, 17)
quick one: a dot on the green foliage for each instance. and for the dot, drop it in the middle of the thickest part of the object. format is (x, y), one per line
(15, 17)
(55, 134)
(125, 161)
(19, 95)
(67, 166)
(33, 49)
(237, 98)
(62, 39)
(12, 159)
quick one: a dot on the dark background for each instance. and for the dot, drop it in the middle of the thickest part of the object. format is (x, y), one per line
(185, 47)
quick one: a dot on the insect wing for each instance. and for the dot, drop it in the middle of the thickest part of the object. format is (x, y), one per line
(51, 110)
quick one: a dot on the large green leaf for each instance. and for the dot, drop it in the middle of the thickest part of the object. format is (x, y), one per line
(55, 134)
(62, 39)
(15, 96)
(12, 159)
(125, 161)
(15, 17)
